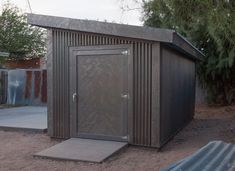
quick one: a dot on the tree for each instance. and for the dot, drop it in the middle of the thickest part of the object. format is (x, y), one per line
(210, 25)
(17, 37)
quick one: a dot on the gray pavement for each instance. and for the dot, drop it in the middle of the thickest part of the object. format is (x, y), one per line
(32, 118)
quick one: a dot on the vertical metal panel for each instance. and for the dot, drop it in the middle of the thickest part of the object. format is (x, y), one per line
(177, 92)
(142, 81)
(156, 87)
(141, 107)
(4, 86)
(50, 82)
(73, 106)
(130, 101)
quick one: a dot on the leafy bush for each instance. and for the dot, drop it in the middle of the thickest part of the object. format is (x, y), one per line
(210, 25)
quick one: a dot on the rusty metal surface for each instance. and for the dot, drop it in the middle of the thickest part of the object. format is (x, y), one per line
(4, 86)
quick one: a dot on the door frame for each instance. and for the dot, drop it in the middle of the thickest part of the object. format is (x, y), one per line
(73, 52)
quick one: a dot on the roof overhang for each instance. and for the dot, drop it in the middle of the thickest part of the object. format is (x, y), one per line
(137, 32)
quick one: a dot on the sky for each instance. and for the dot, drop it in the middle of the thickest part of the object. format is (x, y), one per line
(102, 10)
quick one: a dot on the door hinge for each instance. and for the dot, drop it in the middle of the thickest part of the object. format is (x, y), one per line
(125, 52)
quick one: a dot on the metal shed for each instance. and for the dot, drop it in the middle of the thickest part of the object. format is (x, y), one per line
(117, 82)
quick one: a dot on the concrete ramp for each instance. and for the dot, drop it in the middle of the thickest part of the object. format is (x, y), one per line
(78, 149)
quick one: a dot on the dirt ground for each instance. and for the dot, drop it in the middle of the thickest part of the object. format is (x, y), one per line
(210, 123)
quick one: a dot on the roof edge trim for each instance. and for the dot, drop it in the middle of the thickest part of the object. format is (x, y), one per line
(92, 26)
(113, 29)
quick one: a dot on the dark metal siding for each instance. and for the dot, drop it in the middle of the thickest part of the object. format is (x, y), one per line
(142, 85)
(177, 92)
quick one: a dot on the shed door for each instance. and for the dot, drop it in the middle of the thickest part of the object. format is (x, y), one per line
(99, 91)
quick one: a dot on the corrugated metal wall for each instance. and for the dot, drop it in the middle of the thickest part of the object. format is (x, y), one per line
(215, 156)
(4, 86)
(23, 87)
(142, 66)
(177, 92)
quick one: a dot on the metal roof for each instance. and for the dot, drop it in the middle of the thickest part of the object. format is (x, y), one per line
(215, 156)
(170, 37)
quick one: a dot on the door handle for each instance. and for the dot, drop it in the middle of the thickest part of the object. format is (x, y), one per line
(124, 96)
(74, 97)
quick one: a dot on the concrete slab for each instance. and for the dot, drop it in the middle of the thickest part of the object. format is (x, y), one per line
(78, 149)
(32, 118)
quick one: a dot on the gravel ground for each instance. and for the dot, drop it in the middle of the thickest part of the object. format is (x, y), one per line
(210, 123)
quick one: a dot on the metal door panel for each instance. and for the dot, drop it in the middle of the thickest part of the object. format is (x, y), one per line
(101, 78)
